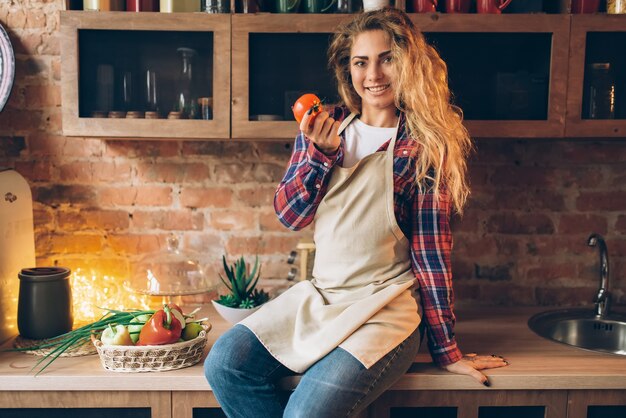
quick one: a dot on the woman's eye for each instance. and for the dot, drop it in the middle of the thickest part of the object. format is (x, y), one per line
(388, 60)
(359, 63)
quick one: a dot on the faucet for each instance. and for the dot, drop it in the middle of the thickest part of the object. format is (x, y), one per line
(603, 298)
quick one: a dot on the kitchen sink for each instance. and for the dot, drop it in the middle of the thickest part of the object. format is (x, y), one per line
(583, 328)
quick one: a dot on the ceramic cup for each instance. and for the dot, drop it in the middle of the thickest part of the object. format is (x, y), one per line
(374, 4)
(287, 6)
(491, 6)
(424, 6)
(585, 6)
(457, 6)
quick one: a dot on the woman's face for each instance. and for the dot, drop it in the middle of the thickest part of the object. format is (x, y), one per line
(373, 71)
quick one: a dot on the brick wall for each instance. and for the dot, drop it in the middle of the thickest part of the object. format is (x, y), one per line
(101, 203)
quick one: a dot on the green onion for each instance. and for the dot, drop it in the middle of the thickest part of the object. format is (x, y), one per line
(80, 336)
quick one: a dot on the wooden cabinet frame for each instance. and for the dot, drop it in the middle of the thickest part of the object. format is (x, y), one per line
(231, 69)
(73, 125)
(555, 24)
(575, 125)
(579, 400)
(160, 403)
(468, 402)
(183, 403)
(243, 25)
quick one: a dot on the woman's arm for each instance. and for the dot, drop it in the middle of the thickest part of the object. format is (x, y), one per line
(306, 180)
(431, 246)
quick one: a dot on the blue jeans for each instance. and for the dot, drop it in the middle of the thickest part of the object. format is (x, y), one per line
(243, 376)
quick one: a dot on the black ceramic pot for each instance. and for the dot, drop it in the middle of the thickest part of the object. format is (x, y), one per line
(44, 308)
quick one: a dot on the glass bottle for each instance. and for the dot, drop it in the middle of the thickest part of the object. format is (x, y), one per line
(601, 91)
(186, 96)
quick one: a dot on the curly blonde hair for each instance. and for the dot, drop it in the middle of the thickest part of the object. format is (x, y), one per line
(422, 83)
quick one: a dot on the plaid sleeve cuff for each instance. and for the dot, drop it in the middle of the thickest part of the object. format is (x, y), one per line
(318, 159)
(446, 354)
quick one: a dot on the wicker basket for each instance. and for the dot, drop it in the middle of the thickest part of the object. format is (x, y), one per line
(152, 358)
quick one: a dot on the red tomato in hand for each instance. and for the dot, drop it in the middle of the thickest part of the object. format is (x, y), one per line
(304, 103)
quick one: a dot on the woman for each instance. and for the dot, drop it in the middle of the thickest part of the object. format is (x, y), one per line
(380, 177)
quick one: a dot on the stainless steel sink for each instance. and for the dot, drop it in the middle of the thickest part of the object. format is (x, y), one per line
(597, 329)
(583, 328)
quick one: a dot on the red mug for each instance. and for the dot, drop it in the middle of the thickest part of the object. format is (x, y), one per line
(491, 6)
(457, 6)
(142, 6)
(585, 6)
(424, 6)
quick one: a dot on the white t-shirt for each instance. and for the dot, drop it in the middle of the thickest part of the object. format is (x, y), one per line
(361, 140)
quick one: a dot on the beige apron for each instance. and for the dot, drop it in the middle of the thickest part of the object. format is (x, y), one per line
(360, 296)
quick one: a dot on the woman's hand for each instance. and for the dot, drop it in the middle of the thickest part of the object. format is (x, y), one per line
(470, 365)
(323, 132)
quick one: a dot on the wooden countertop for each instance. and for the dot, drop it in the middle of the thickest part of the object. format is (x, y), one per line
(535, 363)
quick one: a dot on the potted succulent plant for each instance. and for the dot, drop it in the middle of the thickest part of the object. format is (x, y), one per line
(243, 298)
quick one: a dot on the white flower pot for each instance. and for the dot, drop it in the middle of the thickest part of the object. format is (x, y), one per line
(233, 315)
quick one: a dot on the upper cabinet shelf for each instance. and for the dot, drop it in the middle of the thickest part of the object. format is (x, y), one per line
(514, 76)
(117, 66)
(508, 72)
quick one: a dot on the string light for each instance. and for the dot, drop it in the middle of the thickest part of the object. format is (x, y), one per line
(91, 292)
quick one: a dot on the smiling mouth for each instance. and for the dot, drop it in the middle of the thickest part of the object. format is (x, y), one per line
(378, 89)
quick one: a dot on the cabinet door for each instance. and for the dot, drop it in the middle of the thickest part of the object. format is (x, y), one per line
(508, 73)
(107, 60)
(86, 404)
(596, 404)
(596, 39)
(470, 404)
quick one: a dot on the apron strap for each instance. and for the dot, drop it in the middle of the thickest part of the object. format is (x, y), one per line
(346, 122)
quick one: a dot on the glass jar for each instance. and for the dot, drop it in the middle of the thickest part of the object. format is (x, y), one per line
(186, 96)
(601, 91)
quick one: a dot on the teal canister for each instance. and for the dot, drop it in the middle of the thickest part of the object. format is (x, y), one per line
(44, 307)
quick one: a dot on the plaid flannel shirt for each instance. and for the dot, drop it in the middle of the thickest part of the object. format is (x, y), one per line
(423, 222)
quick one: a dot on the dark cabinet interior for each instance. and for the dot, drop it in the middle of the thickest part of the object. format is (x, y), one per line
(606, 48)
(115, 68)
(75, 412)
(208, 413)
(606, 411)
(284, 66)
(423, 412)
(511, 411)
(497, 76)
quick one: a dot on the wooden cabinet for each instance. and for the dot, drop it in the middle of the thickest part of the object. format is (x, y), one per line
(274, 58)
(595, 39)
(507, 72)
(99, 48)
(597, 404)
(392, 404)
(471, 404)
(514, 75)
